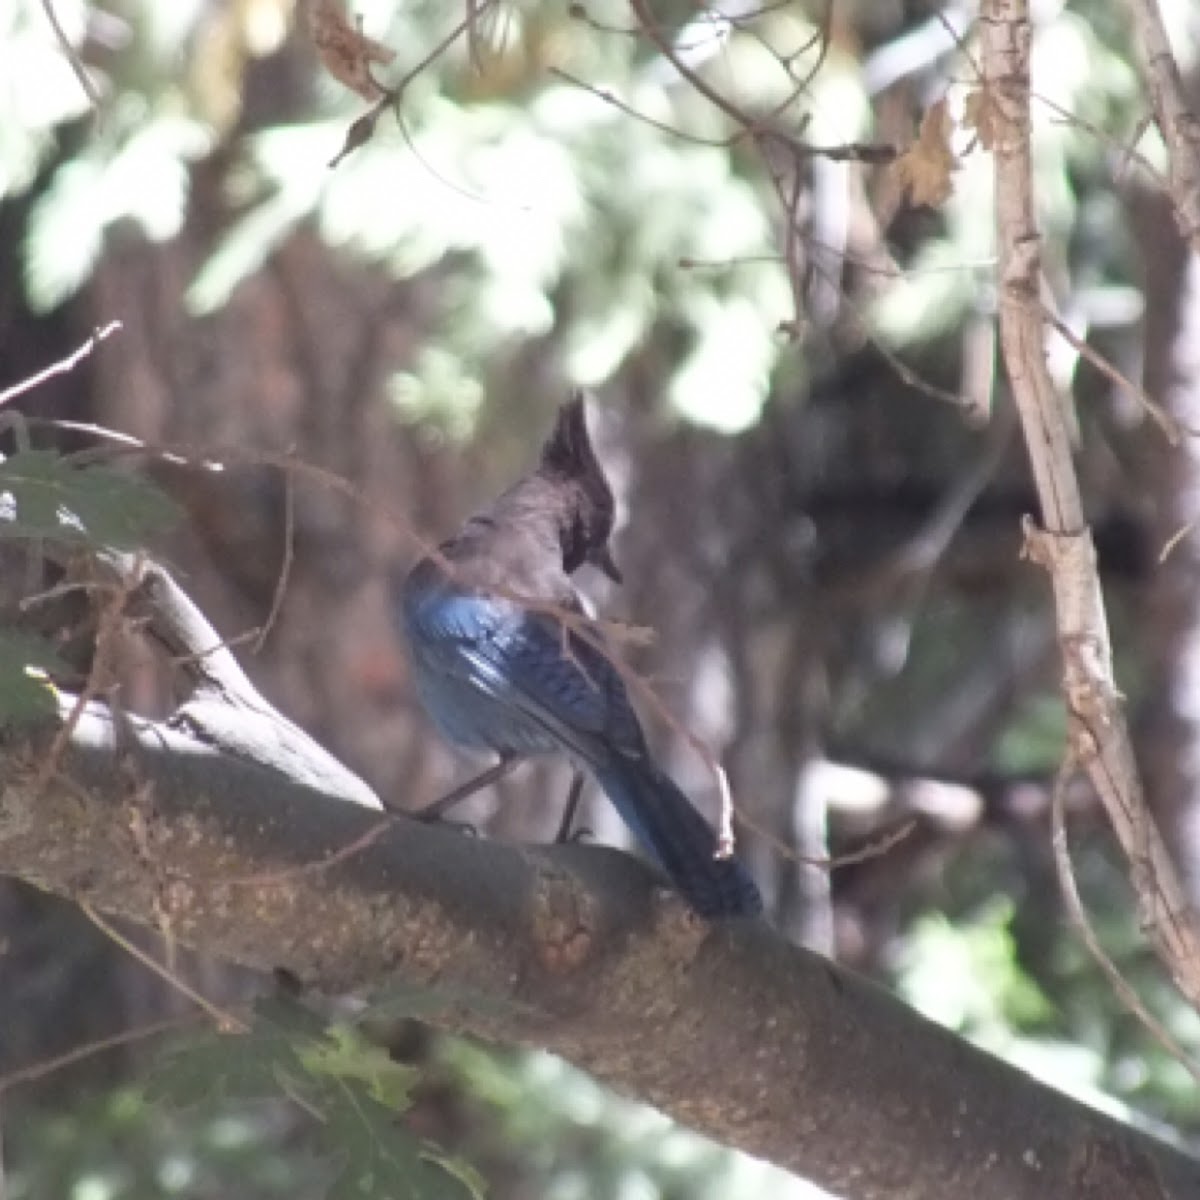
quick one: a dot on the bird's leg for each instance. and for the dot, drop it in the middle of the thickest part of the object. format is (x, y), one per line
(433, 812)
(564, 833)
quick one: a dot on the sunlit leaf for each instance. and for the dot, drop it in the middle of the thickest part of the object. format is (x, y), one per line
(25, 693)
(345, 1054)
(66, 231)
(51, 498)
(40, 90)
(142, 177)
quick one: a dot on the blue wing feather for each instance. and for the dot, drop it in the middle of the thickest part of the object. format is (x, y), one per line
(497, 676)
(549, 691)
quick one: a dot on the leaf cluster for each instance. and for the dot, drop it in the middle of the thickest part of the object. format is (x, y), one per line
(354, 1094)
(46, 497)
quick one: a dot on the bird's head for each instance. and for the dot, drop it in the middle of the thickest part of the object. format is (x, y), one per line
(570, 463)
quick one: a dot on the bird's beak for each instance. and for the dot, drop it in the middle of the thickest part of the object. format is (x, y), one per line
(602, 557)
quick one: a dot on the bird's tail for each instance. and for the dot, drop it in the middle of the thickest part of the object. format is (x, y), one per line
(679, 839)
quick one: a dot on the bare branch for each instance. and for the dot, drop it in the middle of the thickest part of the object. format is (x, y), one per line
(225, 1021)
(63, 367)
(285, 567)
(40, 1070)
(1098, 730)
(1074, 903)
(1176, 122)
(1172, 430)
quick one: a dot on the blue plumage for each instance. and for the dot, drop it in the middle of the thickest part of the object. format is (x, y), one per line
(498, 671)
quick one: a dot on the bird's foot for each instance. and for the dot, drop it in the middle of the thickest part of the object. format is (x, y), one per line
(574, 837)
(463, 827)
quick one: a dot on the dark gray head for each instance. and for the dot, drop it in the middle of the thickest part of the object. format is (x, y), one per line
(569, 461)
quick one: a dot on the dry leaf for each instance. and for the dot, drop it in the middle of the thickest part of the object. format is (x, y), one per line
(346, 52)
(982, 114)
(924, 169)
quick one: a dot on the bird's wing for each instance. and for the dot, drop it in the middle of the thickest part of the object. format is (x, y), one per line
(528, 662)
(566, 683)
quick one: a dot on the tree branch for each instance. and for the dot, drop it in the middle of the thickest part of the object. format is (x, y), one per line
(1098, 730)
(570, 948)
(225, 709)
(1176, 122)
(231, 829)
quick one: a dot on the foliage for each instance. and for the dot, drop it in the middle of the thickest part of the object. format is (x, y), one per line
(43, 495)
(350, 1088)
(611, 238)
(119, 1146)
(500, 157)
(985, 966)
(40, 93)
(579, 1140)
(25, 692)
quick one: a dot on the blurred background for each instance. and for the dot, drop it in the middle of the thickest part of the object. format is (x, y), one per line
(797, 397)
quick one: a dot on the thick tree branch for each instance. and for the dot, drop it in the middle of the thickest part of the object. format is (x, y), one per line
(730, 1029)
(1099, 733)
(226, 709)
(228, 827)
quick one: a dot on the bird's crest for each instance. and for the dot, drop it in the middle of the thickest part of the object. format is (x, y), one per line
(568, 450)
(568, 457)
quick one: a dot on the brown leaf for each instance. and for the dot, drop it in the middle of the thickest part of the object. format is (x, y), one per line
(924, 169)
(982, 114)
(346, 52)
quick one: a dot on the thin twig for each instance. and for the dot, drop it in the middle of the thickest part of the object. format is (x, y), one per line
(73, 58)
(1125, 991)
(48, 1066)
(757, 127)
(107, 628)
(1172, 113)
(66, 365)
(364, 841)
(225, 1021)
(902, 369)
(131, 443)
(670, 130)
(1174, 540)
(1171, 427)
(285, 568)
(875, 847)
(1128, 151)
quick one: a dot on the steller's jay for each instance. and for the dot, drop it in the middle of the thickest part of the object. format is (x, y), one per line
(497, 670)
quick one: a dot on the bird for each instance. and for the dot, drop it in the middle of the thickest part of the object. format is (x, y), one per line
(506, 660)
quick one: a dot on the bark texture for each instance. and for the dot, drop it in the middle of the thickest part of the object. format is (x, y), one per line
(730, 1029)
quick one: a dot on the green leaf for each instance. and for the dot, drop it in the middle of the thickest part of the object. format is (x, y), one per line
(211, 1065)
(26, 696)
(346, 1054)
(379, 1159)
(53, 499)
(350, 1087)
